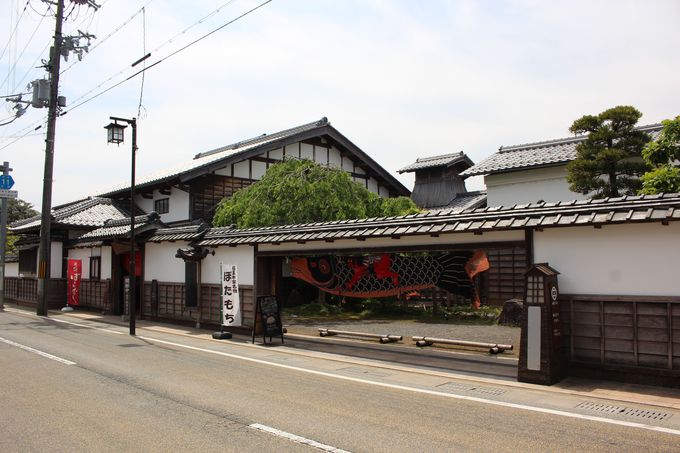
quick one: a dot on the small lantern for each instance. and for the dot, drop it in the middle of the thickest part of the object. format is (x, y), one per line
(115, 132)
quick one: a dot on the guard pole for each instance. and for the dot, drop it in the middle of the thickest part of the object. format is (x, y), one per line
(3, 239)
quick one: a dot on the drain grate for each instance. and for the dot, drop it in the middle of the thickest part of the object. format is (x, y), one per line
(455, 386)
(622, 410)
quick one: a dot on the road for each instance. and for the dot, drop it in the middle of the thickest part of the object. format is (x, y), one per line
(103, 390)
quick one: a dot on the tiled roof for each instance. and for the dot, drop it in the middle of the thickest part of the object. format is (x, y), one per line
(643, 208)
(540, 154)
(206, 162)
(466, 200)
(445, 160)
(120, 228)
(183, 233)
(91, 212)
(11, 258)
(209, 157)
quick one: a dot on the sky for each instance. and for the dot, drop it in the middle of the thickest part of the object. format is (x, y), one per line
(400, 79)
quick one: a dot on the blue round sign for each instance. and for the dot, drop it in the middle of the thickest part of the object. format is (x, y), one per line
(6, 182)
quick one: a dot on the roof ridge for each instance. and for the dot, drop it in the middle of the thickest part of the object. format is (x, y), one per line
(561, 141)
(319, 123)
(440, 156)
(470, 214)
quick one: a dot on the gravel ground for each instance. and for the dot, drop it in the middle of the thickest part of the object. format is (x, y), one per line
(409, 328)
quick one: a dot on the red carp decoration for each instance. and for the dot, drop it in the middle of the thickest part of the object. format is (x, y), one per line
(73, 275)
(393, 274)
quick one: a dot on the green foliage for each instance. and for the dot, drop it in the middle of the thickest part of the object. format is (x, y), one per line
(663, 154)
(608, 162)
(301, 191)
(17, 209)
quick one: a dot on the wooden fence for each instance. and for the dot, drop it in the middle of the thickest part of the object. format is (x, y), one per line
(165, 300)
(24, 291)
(620, 334)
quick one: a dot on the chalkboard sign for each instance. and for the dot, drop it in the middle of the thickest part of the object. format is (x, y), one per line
(268, 316)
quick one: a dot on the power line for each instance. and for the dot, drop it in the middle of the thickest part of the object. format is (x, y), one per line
(20, 55)
(165, 58)
(116, 30)
(15, 29)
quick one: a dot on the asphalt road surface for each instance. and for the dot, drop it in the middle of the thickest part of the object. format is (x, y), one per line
(68, 387)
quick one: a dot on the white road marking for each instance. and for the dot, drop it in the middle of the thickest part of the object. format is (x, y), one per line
(35, 351)
(84, 325)
(295, 438)
(675, 432)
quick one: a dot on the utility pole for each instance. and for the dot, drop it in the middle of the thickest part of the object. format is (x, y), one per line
(46, 213)
(3, 238)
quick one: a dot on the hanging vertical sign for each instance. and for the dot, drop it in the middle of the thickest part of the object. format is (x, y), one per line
(73, 276)
(231, 304)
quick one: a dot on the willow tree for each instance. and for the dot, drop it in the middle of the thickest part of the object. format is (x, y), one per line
(609, 161)
(300, 191)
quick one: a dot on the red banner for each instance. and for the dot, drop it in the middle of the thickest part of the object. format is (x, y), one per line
(73, 276)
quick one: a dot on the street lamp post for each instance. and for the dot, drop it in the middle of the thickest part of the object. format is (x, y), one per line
(116, 135)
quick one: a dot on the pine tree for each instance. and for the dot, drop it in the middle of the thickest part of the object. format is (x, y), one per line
(609, 161)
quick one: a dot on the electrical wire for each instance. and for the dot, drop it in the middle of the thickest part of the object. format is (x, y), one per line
(14, 95)
(30, 130)
(2, 54)
(20, 55)
(103, 40)
(141, 91)
(163, 59)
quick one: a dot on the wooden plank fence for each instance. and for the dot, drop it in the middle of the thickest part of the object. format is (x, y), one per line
(165, 300)
(623, 332)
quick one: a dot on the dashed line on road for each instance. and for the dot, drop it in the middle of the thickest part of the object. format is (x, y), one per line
(296, 438)
(36, 351)
(543, 410)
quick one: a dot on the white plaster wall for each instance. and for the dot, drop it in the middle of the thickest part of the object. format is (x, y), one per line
(633, 259)
(11, 269)
(383, 191)
(145, 204)
(444, 239)
(226, 171)
(241, 169)
(160, 262)
(373, 185)
(334, 157)
(56, 259)
(84, 256)
(548, 184)
(243, 256)
(306, 151)
(179, 204)
(347, 164)
(106, 254)
(259, 168)
(276, 154)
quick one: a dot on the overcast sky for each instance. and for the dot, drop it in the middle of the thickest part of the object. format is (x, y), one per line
(401, 79)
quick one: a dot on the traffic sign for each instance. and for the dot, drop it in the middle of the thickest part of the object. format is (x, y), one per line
(6, 182)
(6, 193)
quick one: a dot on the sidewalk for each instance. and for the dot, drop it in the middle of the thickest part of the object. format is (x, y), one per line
(368, 354)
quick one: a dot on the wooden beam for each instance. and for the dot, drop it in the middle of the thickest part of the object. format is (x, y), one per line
(165, 190)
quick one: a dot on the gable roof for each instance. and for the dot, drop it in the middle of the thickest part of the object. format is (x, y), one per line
(539, 154)
(629, 209)
(207, 162)
(444, 160)
(120, 228)
(90, 212)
